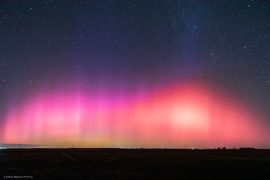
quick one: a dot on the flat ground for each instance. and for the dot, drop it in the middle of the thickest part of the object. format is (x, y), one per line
(134, 164)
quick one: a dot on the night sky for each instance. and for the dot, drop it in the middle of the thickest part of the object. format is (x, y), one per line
(135, 73)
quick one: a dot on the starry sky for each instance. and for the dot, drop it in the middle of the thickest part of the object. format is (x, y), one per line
(135, 73)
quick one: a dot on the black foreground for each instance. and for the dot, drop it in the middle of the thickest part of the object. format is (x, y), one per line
(134, 164)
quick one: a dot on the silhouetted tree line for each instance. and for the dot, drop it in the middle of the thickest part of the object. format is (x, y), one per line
(242, 148)
(247, 148)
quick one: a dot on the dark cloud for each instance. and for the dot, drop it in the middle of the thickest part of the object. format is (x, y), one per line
(20, 145)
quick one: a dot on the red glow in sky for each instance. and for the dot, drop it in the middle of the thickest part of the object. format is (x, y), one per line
(180, 116)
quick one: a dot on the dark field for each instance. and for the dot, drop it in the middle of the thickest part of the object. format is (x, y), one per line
(134, 164)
